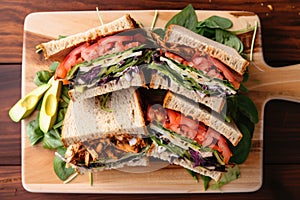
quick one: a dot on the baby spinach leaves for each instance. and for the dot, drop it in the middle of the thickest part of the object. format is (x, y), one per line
(186, 18)
(244, 113)
(215, 22)
(229, 39)
(52, 140)
(214, 27)
(42, 77)
(59, 166)
(232, 173)
(34, 133)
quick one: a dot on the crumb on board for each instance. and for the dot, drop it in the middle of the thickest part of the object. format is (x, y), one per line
(270, 7)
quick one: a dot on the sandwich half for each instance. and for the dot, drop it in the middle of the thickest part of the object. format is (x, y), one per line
(58, 50)
(197, 67)
(101, 60)
(109, 136)
(187, 134)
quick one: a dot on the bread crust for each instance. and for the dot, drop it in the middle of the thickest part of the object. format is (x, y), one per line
(199, 113)
(227, 55)
(138, 80)
(160, 82)
(57, 50)
(167, 156)
(85, 119)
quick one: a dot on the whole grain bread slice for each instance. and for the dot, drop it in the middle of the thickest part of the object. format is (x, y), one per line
(86, 120)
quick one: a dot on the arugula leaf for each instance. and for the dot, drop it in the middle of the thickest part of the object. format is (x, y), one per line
(52, 140)
(59, 166)
(34, 133)
(42, 77)
(232, 173)
(186, 18)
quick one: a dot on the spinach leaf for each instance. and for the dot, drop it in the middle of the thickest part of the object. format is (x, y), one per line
(52, 140)
(229, 39)
(186, 18)
(244, 113)
(193, 174)
(61, 114)
(59, 166)
(246, 106)
(160, 32)
(232, 173)
(215, 28)
(216, 22)
(53, 66)
(241, 105)
(241, 151)
(207, 32)
(42, 77)
(206, 180)
(34, 133)
(39, 104)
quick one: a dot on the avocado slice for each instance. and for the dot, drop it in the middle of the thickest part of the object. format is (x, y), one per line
(26, 105)
(49, 106)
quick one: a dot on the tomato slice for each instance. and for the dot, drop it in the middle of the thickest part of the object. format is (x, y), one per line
(174, 57)
(73, 58)
(234, 78)
(222, 144)
(89, 52)
(190, 128)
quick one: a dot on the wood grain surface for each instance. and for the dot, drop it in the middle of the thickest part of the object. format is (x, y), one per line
(280, 40)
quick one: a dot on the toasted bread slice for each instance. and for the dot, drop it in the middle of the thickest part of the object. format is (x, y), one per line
(86, 120)
(213, 102)
(227, 55)
(166, 155)
(138, 80)
(58, 49)
(209, 118)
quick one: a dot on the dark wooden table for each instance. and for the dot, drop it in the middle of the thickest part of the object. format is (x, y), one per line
(280, 21)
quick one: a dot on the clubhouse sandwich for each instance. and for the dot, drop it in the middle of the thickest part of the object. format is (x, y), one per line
(103, 66)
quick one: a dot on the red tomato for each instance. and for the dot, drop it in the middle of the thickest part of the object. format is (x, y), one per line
(234, 78)
(73, 58)
(174, 57)
(224, 149)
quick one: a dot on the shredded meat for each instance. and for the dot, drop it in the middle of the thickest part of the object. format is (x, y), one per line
(112, 147)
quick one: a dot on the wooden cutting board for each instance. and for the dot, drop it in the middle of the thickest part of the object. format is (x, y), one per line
(265, 83)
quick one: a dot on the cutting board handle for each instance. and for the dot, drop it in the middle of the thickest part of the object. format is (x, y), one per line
(275, 83)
